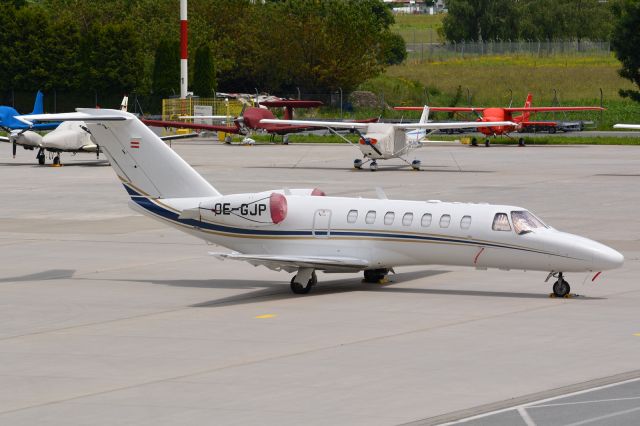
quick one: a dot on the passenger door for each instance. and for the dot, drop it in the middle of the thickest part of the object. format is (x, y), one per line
(322, 223)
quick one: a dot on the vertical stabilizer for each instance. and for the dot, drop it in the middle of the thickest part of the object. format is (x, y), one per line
(38, 105)
(424, 118)
(527, 105)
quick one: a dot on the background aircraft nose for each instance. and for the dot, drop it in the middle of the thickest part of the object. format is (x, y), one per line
(606, 258)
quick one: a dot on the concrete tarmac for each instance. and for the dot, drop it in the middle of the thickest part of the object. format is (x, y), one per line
(108, 317)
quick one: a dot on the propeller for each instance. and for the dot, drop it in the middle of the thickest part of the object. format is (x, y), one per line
(367, 141)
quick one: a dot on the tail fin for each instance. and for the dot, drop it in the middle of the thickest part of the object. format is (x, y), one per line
(38, 105)
(527, 104)
(425, 115)
(144, 163)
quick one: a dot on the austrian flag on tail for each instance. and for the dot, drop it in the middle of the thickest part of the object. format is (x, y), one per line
(135, 143)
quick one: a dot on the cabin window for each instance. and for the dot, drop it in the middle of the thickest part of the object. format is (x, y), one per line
(370, 218)
(445, 220)
(407, 219)
(465, 222)
(389, 218)
(524, 222)
(501, 222)
(426, 220)
(352, 216)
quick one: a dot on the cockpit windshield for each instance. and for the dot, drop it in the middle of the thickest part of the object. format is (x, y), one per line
(524, 221)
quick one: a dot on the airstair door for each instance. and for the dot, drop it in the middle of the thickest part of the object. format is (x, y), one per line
(322, 223)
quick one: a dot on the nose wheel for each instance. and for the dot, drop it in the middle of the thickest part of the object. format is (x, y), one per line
(357, 163)
(561, 287)
(373, 166)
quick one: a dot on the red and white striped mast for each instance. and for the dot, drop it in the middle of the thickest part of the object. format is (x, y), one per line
(183, 50)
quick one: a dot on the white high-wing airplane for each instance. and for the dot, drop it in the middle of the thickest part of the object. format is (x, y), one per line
(627, 126)
(384, 141)
(301, 230)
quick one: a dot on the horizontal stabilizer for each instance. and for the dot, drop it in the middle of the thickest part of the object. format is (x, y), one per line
(103, 115)
(292, 263)
(627, 126)
(4, 139)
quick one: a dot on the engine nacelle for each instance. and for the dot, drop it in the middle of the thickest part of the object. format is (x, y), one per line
(258, 209)
(28, 138)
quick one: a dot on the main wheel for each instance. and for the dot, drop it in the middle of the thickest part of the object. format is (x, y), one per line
(56, 160)
(375, 275)
(373, 166)
(357, 163)
(561, 288)
(487, 142)
(474, 142)
(298, 288)
(521, 142)
(41, 160)
(415, 164)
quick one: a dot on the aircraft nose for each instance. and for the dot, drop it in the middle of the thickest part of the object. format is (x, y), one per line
(605, 258)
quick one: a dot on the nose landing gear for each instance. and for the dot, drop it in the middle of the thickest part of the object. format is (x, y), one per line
(561, 287)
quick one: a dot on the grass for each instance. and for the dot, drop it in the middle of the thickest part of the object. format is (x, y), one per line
(501, 80)
(418, 28)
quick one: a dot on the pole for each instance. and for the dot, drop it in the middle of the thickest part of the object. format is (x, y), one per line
(184, 76)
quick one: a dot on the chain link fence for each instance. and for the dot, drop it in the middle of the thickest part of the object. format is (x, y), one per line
(426, 52)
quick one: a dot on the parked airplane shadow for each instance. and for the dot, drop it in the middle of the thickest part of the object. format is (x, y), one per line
(51, 274)
(400, 168)
(95, 163)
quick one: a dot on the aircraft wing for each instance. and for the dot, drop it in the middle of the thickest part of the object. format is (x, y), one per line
(4, 139)
(292, 263)
(196, 126)
(627, 126)
(316, 124)
(553, 109)
(454, 125)
(441, 109)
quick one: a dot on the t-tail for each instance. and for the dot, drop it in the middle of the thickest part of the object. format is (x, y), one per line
(38, 105)
(144, 163)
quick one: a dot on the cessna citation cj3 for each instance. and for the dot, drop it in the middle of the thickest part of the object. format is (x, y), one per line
(302, 231)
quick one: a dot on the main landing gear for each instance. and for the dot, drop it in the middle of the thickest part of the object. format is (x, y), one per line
(302, 282)
(375, 276)
(56, 160)
(40, 157)
(561, 287)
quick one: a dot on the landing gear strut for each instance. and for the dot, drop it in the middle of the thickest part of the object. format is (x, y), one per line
(561, 288)
(40, 157)
(302, 282)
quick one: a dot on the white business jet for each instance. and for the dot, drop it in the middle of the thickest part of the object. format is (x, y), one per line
(302, 230)
(384, 141)
(627, 126)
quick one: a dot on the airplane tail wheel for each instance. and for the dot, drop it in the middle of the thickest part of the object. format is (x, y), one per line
(298, 288)
(374, 166)
(357, 163)
(415, 164)
(561, 288)
(487, 142)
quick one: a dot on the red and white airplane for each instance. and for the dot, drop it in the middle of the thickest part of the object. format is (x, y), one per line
(506, 114)
(303, 231)
(248, 122)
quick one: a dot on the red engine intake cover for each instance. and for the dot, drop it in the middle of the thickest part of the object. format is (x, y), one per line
(277, 207)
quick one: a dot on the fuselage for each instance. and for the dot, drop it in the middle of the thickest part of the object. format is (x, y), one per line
(498, 114)
(389, 233)
(69, 136)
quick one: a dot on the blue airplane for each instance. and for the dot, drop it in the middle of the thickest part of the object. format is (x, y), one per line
(21, 133)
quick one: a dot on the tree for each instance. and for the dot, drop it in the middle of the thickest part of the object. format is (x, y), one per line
(204, 82)
(394, 49)
(166, 69)
(625, 41)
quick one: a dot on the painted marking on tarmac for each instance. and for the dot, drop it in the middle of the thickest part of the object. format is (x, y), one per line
(265, 316)
(637, 334)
